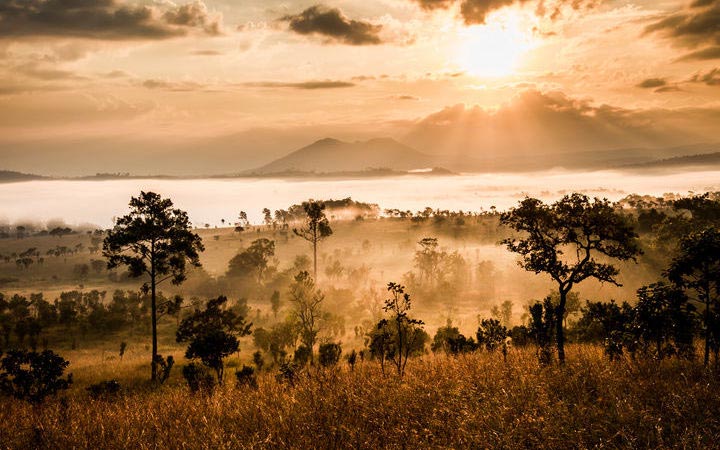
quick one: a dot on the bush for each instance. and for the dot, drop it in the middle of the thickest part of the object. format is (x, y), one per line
(287, 373)
(104, 389)
(198, 378)
(246, 377)
(165, 365)
(330, 354)
(33, 376)
(302, 356)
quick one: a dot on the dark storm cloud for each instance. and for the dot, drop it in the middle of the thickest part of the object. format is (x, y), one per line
(101, 19)
(310, 85)
(331, 23)
(652, 83)
(476, 11)
(695, 27)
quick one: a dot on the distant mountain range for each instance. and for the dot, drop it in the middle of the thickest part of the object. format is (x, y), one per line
(387, 157)
(334, 156)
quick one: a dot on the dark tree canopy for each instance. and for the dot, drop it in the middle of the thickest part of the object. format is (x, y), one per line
(697, 267)
(212, 334)
(153, 240)
(564, 240)
(33, 376)
(253, 261)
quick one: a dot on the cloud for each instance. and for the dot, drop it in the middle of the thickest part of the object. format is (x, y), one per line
(310, 85)
(206, 53)
(704, 54)
(182, 86)
(332, 24)
(476, 11)
(653, 83)
(711, 78)
(193, 15)
(536, 123)
(696, 27)
(102, 20)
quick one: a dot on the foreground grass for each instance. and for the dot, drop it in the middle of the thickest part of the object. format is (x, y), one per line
(477, 401)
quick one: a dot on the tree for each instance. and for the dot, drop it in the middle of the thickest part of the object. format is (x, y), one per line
(317, 227)
(32, 376)
(661, 318)
(563, 240)
(267, 216)
(404, 333)
(212, 334)
(275, 302)
(155, 241)
(491, 334)
(427, 260)
(697, 268)
(253, 261)
(307, 308)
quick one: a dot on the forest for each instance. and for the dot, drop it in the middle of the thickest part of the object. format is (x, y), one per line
(335, 324)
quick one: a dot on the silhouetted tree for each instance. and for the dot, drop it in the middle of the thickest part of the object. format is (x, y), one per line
(697, 268)
(275, 302)
(663, 319)
(253, 261)
(563, 240)
(317, 227)
(405, 333)
(153, 240)
(212, 334)
(307, 301)
(543, 320)
(491, 334)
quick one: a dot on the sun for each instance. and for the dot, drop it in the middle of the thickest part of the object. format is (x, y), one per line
(495, 49)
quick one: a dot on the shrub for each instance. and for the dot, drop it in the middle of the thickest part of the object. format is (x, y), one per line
(165, 365)
(198, 378)
(246, 377)
(302, 356)
(352, 359)
(287, 373)
(258, 360)
(330, 354)
(104, 389)
(491, 334)
(33, 376)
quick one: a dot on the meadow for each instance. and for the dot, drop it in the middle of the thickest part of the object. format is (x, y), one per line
(487, 396)
(473, 401)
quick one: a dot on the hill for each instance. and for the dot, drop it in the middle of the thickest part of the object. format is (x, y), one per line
(701, 161)
(332, 156)
(7, 176)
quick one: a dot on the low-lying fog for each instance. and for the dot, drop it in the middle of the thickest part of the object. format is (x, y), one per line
(210, 200)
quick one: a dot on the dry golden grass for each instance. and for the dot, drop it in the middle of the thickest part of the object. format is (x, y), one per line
(477, 401)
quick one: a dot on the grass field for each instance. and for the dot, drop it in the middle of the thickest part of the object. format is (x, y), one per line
(475, 401)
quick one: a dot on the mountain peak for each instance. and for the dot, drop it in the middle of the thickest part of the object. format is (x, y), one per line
(326, 141)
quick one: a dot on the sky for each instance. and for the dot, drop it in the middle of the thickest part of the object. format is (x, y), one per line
(219, 86)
